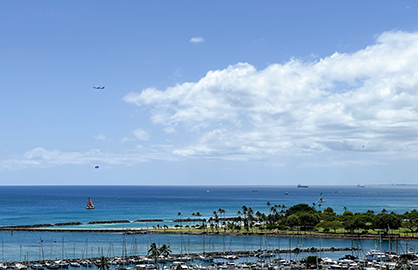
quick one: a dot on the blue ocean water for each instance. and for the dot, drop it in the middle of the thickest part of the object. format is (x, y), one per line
(26, 205)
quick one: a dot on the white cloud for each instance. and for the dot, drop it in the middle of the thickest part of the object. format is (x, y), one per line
(347, 109)
(197, 40)
(101, 137)
(340, 103)
(169, 130)
(141, 134)
(126, 139)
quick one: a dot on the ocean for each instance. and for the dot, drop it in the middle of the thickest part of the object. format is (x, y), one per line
(28, 205)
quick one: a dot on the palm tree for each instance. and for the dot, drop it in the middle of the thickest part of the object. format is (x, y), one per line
(103, 263)
(250, 218)
(283, 211)
(153, 253)
(179, 215)
(193, 215)
(221, 211)
(198, 214)
(216, 218)
(165, 250)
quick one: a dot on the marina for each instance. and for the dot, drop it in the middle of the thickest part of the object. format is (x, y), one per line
(38, 247)
(286, 259)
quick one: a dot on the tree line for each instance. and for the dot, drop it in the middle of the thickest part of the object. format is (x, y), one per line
(303, 217)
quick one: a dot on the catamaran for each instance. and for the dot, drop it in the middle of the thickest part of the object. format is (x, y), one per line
(90, 204)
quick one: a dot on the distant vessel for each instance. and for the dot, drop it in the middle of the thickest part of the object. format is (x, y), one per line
(254, 190)
(90, 204)
(336, 191)
(302, 186)
(360, 185)
(321, 198)
(286, 193)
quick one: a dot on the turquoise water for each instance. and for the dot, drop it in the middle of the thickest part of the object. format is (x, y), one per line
(26, 205)
(54, 204)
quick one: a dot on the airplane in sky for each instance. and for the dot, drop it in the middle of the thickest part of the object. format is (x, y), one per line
(99, 87)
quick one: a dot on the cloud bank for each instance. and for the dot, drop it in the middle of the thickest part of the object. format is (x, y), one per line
(365, 101)
(348, 109)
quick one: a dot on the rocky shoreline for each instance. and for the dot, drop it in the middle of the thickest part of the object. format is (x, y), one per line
(171, 230)
(52, 228)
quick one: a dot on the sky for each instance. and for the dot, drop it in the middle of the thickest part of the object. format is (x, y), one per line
(208, 92)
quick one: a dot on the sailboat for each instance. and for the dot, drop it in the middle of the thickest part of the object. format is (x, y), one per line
(321, 198)
(90, 204)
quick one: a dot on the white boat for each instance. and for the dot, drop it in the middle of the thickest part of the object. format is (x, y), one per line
(86, 263)
(206, 258)
(74, 264)
(177, 265)
(231, 257)
(266, 255)
(62, 264)
(19, 266)
(199, 267)
(144, 266)
(376, 255)
(37, 266)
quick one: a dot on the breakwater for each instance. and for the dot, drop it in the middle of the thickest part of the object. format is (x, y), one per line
(170, 230)
(62, 224)
(49, 228)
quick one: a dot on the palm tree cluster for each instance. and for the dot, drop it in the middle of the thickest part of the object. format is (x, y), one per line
(304, 217)
(155, 252)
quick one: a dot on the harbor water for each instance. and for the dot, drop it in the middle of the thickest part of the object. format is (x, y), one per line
(28, 205)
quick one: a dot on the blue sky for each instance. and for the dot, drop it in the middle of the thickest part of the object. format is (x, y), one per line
(208, 92)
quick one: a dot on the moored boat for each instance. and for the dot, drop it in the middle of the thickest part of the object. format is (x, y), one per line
(20, 266)
(37, 266)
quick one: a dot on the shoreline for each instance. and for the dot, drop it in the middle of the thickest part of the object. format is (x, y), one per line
(43, 228)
